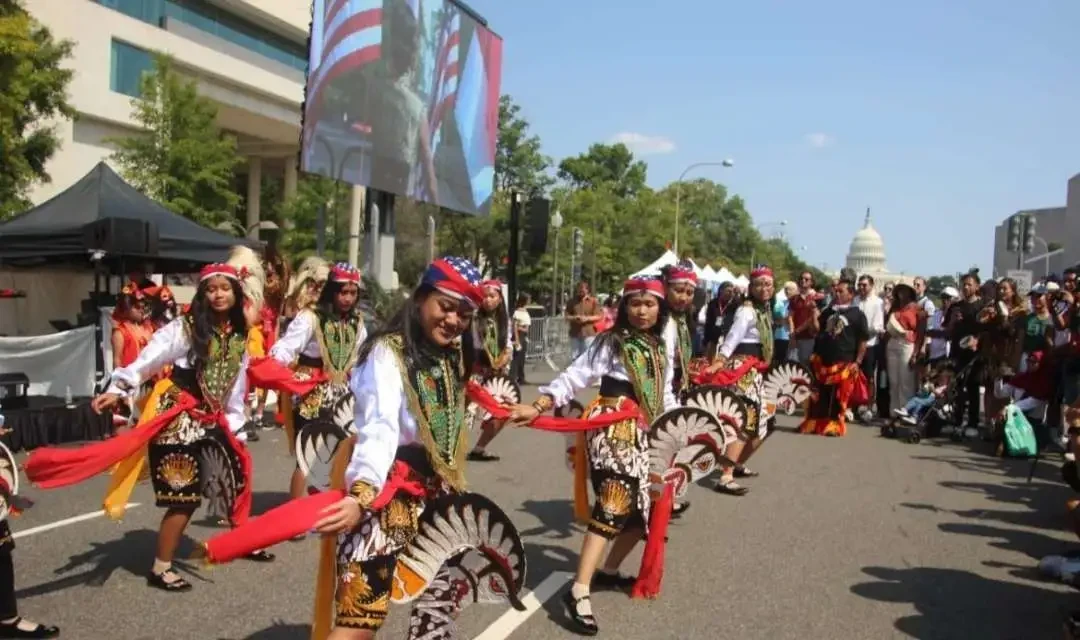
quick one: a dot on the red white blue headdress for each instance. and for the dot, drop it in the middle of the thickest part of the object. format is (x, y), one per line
(219, 269)
(345, 273)
(680, 273)
(761, 271)
(644, 284)
(455, 277)
(495, 284)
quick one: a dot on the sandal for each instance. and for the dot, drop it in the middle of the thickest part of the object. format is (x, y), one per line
(262, 555)
(583, 625)
(157, 581)
(482, 456)
(12, 630)
(731, 488)
(742, 471)
(680, 508)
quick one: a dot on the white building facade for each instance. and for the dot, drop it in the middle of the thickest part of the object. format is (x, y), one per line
(866, 256)
(248, 56)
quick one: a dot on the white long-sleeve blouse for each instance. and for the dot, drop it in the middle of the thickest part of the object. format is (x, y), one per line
(171, 345)
(299, 339)
(586, 370)
(743, 331)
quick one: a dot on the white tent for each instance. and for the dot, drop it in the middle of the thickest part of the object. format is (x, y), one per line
(741, 282)
(669, 258)
(723, 275)
(708, 274)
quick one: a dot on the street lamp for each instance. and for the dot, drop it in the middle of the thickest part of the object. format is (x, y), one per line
(556, 222)
(678, 191)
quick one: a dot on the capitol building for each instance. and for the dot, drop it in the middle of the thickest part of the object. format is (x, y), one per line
(866, 256)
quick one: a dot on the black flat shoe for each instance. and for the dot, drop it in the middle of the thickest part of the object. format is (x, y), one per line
(482, 456)
(582, 625)
(12, 630)
(157, 581)
(262, 555)
(745, 472)
(602, 580)
(731, 489)
(679, 509)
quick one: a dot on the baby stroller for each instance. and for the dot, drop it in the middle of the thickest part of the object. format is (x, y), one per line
(931, 421)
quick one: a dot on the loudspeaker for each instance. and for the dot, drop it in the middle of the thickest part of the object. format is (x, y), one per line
(122, 236)
(537, 219)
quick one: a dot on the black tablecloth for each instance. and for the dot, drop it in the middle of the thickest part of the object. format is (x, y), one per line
(47, 420)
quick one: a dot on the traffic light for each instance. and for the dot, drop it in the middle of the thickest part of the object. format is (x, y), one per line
(1029, 234)
(579, 241)
(1016, 224)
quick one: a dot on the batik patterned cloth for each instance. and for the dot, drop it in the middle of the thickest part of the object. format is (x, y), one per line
(827, 407)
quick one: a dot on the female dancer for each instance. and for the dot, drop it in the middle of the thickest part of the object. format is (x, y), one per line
(323, 339)
(632, 363)
(495, 346)
(131, 328)
(265, 332)
(410, 421)
(745, 353)
(201, 401)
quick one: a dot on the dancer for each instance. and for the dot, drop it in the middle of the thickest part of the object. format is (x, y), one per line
(267, 328)
(201, 404)
(131, 325)
(495, 346)
(742, 358)
(836, 362)
(680, 284)
(323, 339)
(632, 364)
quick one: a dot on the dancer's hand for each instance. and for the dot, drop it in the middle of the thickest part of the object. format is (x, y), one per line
(340, 516)
(521, 414)
(104, 402)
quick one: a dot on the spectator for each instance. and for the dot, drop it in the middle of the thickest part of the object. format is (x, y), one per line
(962, 326)
(804, 319)
(782, 322)
(582, 312)
(935, 328)
(522, 321)
(874, 310)
(715, 312)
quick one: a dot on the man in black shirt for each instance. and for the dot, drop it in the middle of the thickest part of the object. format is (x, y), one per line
(838, 355)
(962, 325)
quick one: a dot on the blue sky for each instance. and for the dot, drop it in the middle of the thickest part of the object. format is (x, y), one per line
(942, 116)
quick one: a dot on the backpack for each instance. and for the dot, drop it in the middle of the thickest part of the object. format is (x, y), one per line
(1019, 436)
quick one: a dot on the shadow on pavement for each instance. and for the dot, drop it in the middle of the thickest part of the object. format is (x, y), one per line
(556, 519)
(1033, 545)
(134, 553)
(280, 631)
(962, 605)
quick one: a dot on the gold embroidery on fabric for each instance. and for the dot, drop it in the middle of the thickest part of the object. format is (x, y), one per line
(178, 470)
(337, 339)
(615, 498)
(399, 521)
(623, 433)
(363, 492)
(357, 604)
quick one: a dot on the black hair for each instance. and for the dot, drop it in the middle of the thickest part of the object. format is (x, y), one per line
(419, 351)
(204, 322)
(971, 275)
(848, 281)
(500, 316)
(869, 278)
(325, 305)
(613, 338)
(523, 300)
(728, 318)
(1070, 271)
(160, 311)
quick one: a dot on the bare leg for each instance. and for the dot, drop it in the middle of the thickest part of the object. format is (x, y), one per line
(592, 547)
(491, 429)
(620, 548)
(173, 524)
(297, 484)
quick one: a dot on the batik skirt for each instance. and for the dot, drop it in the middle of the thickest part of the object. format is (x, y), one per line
(618, 463)
(750, 387)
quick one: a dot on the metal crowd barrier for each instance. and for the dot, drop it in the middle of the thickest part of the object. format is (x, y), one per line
(548, 338)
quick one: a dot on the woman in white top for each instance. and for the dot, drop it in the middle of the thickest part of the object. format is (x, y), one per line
(633, 363)
(409, 385)
(323, 340)
(744, 355)
(201, 403)
(494, 339)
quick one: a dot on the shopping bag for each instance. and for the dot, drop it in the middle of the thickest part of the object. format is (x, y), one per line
(1019, 436)
(860, 392)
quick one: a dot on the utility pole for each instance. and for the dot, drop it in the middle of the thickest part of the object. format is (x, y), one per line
(431, 239)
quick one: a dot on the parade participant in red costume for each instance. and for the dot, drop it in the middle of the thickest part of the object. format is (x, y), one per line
(680, 283)
(494, 339)
(202, 400)
(323, 340)
(634, 365)
(743, 356)
(131, 330)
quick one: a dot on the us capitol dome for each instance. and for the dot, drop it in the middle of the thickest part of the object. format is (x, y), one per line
(866, 256)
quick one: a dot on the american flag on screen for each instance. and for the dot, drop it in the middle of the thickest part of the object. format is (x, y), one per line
(445, 88)
(351, 37)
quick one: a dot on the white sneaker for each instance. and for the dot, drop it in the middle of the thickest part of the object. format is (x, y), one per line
(848, 415)
(901, 412)
(909, 420)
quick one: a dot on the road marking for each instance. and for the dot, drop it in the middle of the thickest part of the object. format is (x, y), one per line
(512, 619)
(65, 522)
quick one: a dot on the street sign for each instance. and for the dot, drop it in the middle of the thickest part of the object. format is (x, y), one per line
(1022, 278)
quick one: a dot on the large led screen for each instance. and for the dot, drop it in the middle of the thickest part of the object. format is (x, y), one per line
(403, 96)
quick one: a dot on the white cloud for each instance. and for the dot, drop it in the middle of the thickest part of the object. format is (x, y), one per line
(819, 140)
(644, 145)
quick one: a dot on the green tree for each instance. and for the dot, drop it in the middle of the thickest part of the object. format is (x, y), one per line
(298, 217)
(610, 164)
(34, 93)
(936, 284)
(519, 164)
(181, 159)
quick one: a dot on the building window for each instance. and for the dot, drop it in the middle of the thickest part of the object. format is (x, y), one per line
(128, 66)
(218, 22)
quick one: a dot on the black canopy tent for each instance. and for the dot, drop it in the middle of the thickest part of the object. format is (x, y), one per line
(54, 231)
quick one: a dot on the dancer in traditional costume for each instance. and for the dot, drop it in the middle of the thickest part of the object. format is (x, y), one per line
(741, 361)
(494, 340)
(405, 529)
(131, 325)
(266, 331)
(836, 362)
(323, 340)
(680, 284)
(201, 404)
(633, 365)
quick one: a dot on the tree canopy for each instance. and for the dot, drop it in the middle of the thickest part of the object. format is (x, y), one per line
(34, 96)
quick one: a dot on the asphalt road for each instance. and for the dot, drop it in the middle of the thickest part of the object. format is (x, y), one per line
(850, 538)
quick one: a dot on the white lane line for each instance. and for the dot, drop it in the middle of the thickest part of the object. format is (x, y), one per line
(512, 619)
(65, 522)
